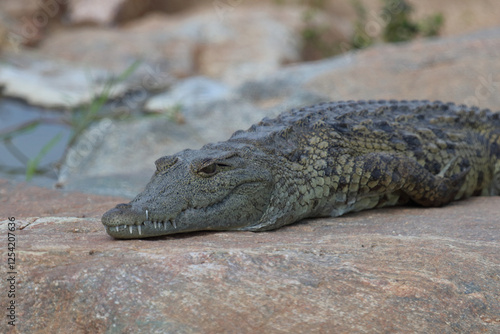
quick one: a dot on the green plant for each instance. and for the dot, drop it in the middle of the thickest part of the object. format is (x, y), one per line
(174, 114)
(430, 26)
(315, 36)
(394, 21)
(32, 165)
(360, 38)
(79, 120)
(401, 27)
(7, 135)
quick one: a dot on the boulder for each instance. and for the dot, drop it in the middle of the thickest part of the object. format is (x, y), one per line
(55, 84)
(234, 44)
(112, 12)
(117, 157)
(188, 93)
(459, 69)
(394, 270)
(462, 69)
(105, 13)
(27, 20)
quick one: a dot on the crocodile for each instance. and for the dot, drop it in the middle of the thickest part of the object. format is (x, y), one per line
(324, 160)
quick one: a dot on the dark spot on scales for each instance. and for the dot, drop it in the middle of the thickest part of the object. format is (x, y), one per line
(480, 177)
(375, 174)
(433, 166)
(412, 141)
(439, 133)
(341, 127)
(384, 126)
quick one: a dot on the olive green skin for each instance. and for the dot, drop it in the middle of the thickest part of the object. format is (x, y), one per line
(324, 160)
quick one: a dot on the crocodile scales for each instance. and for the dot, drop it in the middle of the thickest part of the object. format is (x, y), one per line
(324, 160)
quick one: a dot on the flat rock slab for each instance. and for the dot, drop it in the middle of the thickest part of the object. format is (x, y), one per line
(395, 270)
(22, 200)
(55, 84)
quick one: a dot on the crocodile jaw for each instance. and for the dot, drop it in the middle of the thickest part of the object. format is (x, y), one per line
(178, 200)
(126, 221)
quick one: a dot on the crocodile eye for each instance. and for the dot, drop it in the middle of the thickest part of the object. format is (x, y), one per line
(209, 170)
(212, 169)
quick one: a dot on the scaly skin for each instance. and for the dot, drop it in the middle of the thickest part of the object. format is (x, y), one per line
(324, 160)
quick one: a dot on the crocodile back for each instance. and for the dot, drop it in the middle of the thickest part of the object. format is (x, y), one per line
(409, 127)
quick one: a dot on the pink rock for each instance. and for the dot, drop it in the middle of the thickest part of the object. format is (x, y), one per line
(395, 270)
(94, 11)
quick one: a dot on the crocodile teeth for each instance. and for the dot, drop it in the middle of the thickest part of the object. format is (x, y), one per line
(174, 224)
(155, 224)
(139, 229)
(117, 228)
(130, 229)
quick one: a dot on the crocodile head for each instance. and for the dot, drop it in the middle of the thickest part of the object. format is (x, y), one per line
(207, 189)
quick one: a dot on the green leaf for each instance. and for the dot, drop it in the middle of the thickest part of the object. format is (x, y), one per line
(26, 127)
(131, 69)
(33, 163)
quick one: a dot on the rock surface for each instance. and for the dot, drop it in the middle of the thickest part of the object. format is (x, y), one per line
(395, 270)
(189, 93)
(233, 42)
(104, 13)
(118, 11)
(233, 47)
(227, 44)
(22, 200)
(53, 84)
(459, 69)
(109, 160)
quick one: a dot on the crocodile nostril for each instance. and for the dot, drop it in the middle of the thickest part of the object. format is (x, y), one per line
(123, 206)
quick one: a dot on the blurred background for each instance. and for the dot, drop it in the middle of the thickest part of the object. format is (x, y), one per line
(93, 92)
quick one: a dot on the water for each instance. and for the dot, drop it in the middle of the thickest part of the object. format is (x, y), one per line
(29, 144)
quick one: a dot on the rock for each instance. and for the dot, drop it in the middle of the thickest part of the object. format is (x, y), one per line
(250, 43)
(235, 44)
(107, 159)
(228, 44)
(460, 18)
(119, 11)
(424, 70)
(117, 157)
(4, 38)
(188, 93)
(24, 200)
(98, 12)
(115, 49)
(27, 20)
(404, 270)
(53, 84)
(460, 69)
